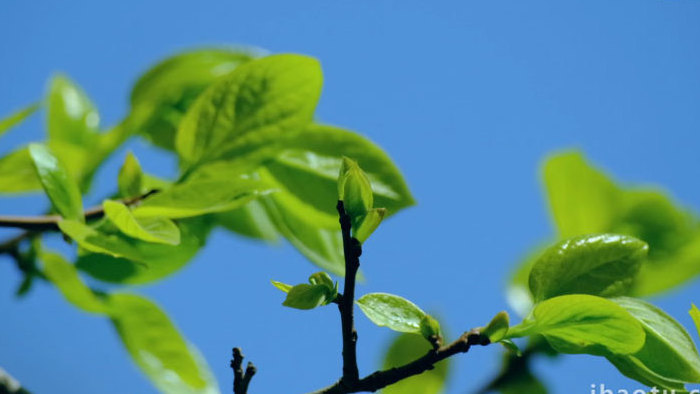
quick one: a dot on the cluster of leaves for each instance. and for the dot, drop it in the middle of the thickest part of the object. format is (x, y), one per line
(580, 294)
(252, 161)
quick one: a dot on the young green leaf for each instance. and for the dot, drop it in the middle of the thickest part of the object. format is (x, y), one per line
(305, 296)
(150, 229)
(17, 117)
(600, 264)
(130, 178)
(61, 189)
(282, 286)
(253, 107)
(668, 352)
(430, 329)
(162, 94)
(124, 260)
(17, 173)
(369, 223)
(201, 197)
(497, 328)
(406, 348)
(355, 190)
(322, 278)
(695, 315)
(583, 324)
(65, 276)
(394, 312)
(156, 345)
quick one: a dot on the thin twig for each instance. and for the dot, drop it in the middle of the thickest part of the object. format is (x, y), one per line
(352, 250)
(241, 379)
(381, 379)
(50, 222)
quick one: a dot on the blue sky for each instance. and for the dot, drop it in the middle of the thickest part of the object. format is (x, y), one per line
(466, 96)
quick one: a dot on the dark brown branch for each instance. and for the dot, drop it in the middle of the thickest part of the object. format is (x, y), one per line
(241, 379)
(50, 222)
(381, 379)
(352, 250)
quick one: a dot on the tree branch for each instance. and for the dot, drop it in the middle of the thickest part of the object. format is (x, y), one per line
(352, 249)
(241, 379)
(381, 379)
(50, 222)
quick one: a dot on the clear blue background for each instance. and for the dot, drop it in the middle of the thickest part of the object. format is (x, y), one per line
(466, 96)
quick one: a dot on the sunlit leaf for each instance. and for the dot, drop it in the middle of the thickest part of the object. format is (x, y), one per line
(151, 229)
(16, 118)
(58, 185)
(394, 312)
(65, 276)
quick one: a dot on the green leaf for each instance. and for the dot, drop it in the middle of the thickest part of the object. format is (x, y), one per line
(583, 324)
(62, 191)
(162, 95)
(250, 220)
(282, 286)
(355, 190)
(65, 276)
(157, 347)
(309, 166)
(305, 296)
(130, 179)
(120, 259)
(251, 108)
(150, 229)
(583, 200)
(497, 328)
(669, 354)
(394, 312)
(369, 223)
(201, 197)
(17, 117)
(406, 348)
(17, 173)
(72, 118)
(695, 315)
(599, 264)
(322, 278)
(430, 329)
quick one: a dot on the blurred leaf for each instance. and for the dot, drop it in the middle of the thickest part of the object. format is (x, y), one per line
(65, 276)
(157, 346)
(130, 179)
(583, 324)
(394, 312)
(151, 229)
(668, 357)
(254, 106)
(17, 173)
(17, 117)
(58, 185)
(162, 95)
(582, 199)
(303, 229)
(141, 262)
(250, 220)
(516, 377)
(199, 197)
(310, 164)
(406, 348)
(72, 126)
(599, 264)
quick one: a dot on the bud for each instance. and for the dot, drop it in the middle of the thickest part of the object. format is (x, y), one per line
(497, 328)
(430, 329)
(369, 223)
(354, 190)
